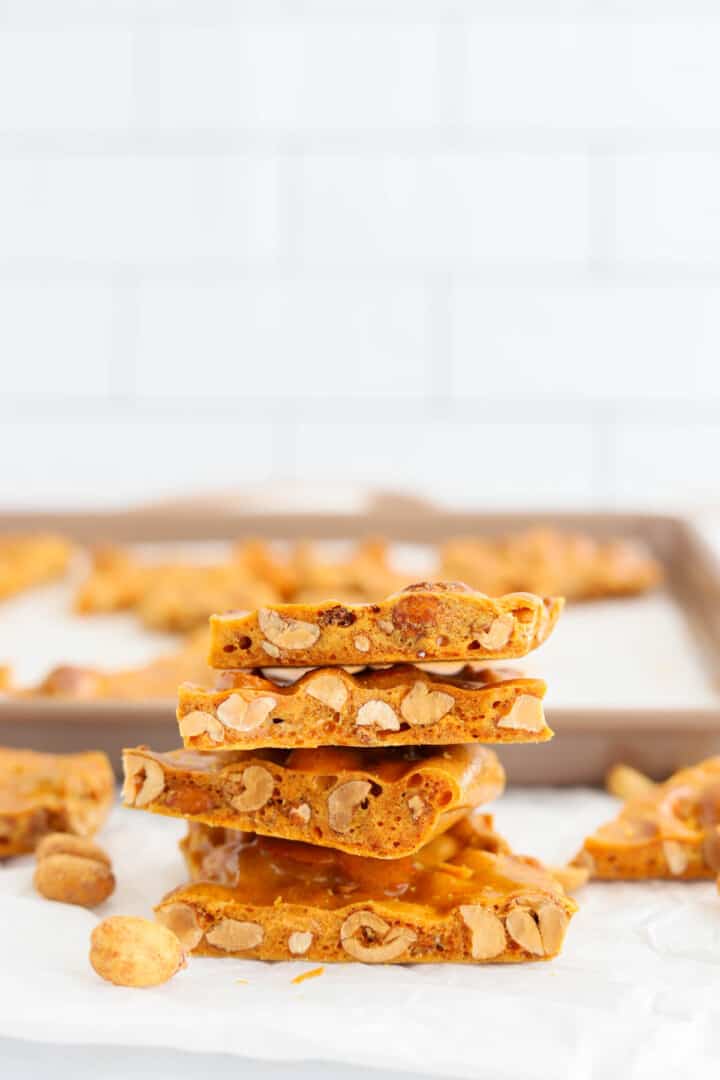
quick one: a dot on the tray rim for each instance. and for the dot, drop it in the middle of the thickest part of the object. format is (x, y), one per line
(400, 518)
(198, 520)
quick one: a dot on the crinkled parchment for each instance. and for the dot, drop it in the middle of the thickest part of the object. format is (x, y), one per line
(636, 993)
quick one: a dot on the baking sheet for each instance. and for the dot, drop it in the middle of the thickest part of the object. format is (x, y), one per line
(634, 993)
(626, 653)
(634, 679)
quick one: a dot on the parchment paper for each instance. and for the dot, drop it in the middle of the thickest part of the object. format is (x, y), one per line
(636, 993)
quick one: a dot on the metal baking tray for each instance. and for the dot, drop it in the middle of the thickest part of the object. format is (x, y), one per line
(634, 679)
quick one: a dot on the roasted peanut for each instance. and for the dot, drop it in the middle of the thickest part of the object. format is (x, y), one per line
(60, 843)
(73, 870)
(74, 879)
(287, 633)
(367, 937)
(130, 951)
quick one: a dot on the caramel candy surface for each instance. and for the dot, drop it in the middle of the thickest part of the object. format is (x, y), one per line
(672, 830)
(425, 622)
(172, 595)
(380, 803)
(26, 561)
(399, 706)
(156, 680)
(551, 562)
(44, 793)
(461, 898)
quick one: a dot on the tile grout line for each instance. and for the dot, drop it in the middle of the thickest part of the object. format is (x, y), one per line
(405, 410)
(446, 137)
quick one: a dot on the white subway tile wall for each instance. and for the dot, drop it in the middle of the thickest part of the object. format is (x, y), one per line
(467, 248)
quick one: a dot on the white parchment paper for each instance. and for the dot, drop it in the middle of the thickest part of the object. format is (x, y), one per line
(636, 993)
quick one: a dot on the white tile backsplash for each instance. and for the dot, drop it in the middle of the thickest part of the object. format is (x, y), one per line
(580, 342)
(670, 71)
(540, 73)
(494, 462)
(64, 80)
(55, 339)
(472, 249)
(445, 210)
(667, 462)
(116, 460)
(668, 207)
(297, 338)
(300, 77)
(137, 208)
(593, 72)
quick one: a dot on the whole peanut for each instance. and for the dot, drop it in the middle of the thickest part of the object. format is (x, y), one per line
(60, 843)
(130, 951)
(73, 870)
(73, 879)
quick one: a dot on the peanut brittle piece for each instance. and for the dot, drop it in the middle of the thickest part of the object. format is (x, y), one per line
(184, 597)
(441, 621)
(461, 898)
(550, 562)
(173, 596)
(26, 561)
(263, 564)
(365, 575)
(116, 582)
(398, 706)
(380, 803)
(156, 680)
(669, 830)
(43, 793)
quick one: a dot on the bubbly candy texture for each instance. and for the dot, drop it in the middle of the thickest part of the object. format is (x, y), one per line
(399, 706)
(380, 803)
(427, 622)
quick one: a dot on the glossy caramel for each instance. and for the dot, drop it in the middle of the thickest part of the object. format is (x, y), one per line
(469, 862)
(462, 898)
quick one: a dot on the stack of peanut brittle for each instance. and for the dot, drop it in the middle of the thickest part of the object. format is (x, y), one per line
(330, 778)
